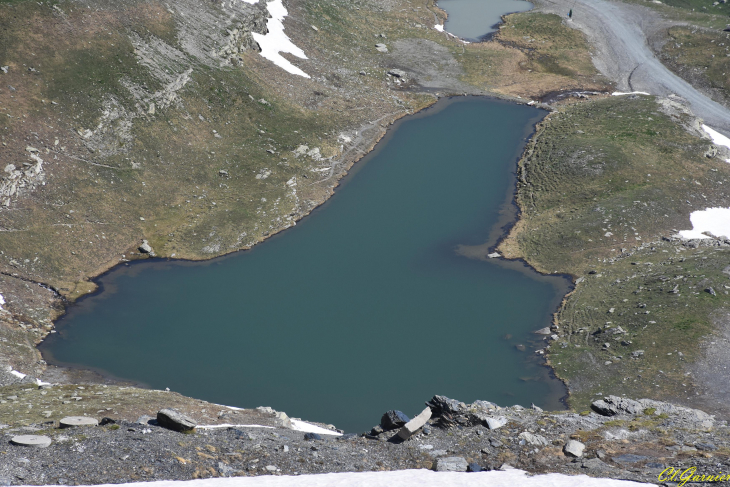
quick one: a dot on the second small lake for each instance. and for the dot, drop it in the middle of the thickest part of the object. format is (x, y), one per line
(364, 306)
(473, 19)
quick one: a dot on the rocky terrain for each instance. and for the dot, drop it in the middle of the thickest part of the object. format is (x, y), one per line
(139, 128)
(618, 438)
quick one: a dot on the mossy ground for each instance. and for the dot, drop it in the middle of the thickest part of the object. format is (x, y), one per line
(601, 185)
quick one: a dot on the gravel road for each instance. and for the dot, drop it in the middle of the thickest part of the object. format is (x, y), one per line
(619, 33)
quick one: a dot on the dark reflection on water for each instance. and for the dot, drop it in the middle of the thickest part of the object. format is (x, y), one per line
(362, 307)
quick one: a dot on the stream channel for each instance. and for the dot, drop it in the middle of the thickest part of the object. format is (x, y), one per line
(367, 304)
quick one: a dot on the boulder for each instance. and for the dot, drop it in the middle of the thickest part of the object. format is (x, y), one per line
(171, 419)
(496, 423)
(393, 419)
(35, 441)
(312, 436)
(532, 439)
(613, 405)
(574, 448)
(74, 421)
(442, 404)
(451, 464)
(473, 467)
(410, 428)
(398, 73)
(381, 48)
(145, 248)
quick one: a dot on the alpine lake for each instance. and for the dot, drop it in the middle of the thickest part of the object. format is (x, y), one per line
(381, 298)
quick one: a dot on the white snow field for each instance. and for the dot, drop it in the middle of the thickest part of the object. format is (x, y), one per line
(713, 220)
(717, 138)
(399, 478)
(276, 42)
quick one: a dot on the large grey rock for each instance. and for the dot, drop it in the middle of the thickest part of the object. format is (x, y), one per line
(171, 419)
(574, 448)
(74, 421)
(442, 404)
(613, 405)
(145, 248)
(532, 439)
(410, 428)
(451, 464)
(496, 423)
(35, 441)
(393, 419)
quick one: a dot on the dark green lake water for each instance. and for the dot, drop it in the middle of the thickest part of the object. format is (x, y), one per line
(364, 306)
(472, 19)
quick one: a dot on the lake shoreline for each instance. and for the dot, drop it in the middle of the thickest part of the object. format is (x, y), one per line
(497, 233)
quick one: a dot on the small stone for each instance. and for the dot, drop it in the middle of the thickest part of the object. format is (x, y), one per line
(106, 421)
(393, 419)
(35, 441)
(451, 464)
(74, 421)
(711, 291)
(271, 468)
(171, 419)
(398, 73)
(312, 436)
(410, 428)
(574, 448)
(381, 48)
(705, 446)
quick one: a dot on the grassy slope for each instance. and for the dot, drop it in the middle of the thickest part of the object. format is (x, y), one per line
(599, 186)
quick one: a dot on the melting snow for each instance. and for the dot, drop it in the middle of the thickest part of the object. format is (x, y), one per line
(276, 41)
(17, 374)
(311, 428)
(621, 93)
(2, 301)
(439, 28)
(401, 478)
(226, 425)
(713, 220)
(717, 138)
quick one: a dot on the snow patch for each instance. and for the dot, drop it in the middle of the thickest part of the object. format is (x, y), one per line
(621, 93)
(717, 138)
(276, 41)
(715, 221)
(17, 374)
(401, 478)
(299, 425)
(2, 301)
(42, 383)
(439, 28)
(226, 425)
(252, 2)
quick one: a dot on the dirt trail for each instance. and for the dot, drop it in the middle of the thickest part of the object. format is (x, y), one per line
(619, 33)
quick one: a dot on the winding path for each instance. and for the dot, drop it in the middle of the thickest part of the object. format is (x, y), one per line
(617, 30)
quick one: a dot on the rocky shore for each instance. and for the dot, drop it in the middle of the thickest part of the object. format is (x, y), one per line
(620, 438)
